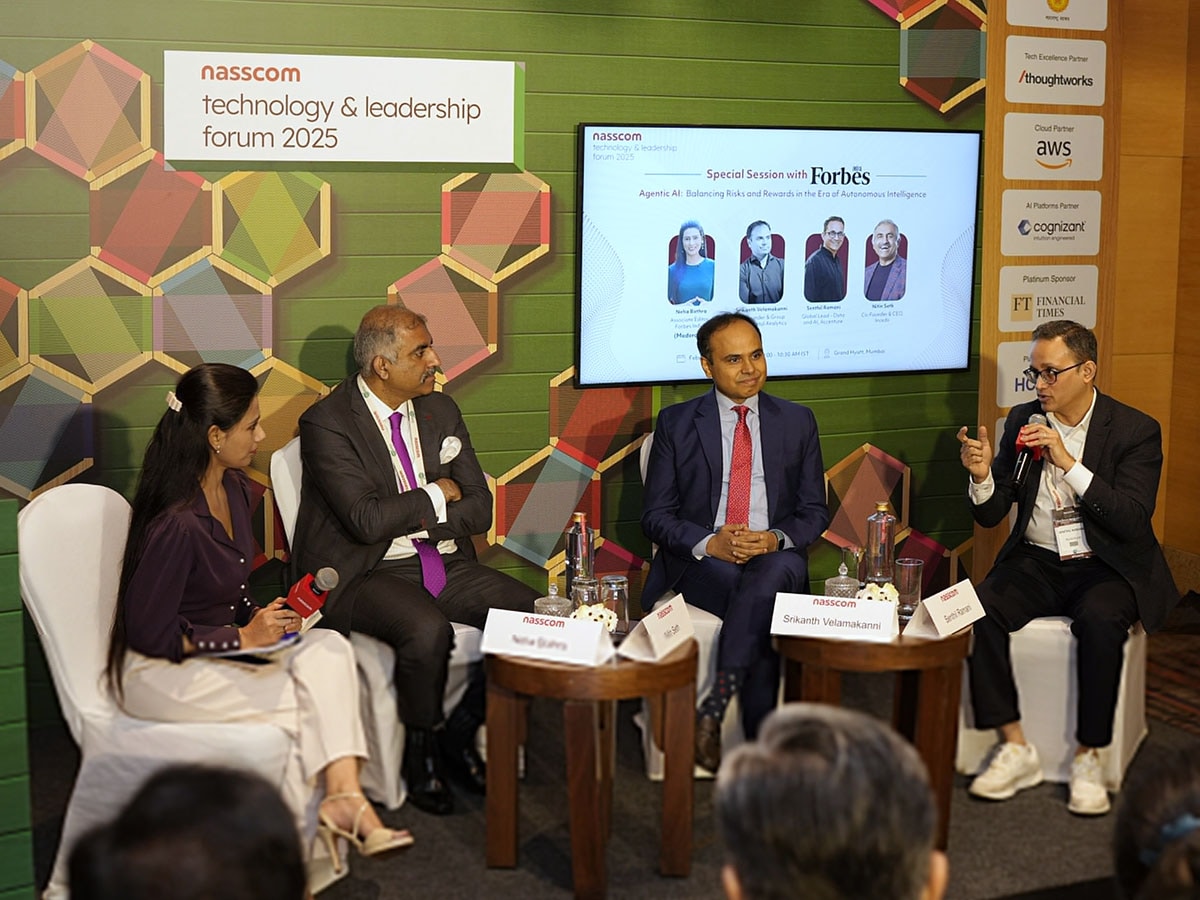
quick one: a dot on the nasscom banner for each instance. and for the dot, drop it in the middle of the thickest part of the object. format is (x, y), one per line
(279, 107)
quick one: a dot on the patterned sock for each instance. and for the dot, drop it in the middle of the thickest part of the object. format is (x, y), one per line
(723, 689)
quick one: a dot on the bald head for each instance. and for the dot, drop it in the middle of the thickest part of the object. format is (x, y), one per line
(378, 332)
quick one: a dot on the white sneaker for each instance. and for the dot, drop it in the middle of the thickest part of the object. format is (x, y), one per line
(1013, 768)
(1088, 795)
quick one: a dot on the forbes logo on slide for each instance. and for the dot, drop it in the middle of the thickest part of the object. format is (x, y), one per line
(1050, 223)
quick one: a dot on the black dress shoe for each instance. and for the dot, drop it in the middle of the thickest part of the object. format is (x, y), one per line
(708, 742)
(463, 763)
(422, 771)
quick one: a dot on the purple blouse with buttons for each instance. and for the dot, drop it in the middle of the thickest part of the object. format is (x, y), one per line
(193, 579)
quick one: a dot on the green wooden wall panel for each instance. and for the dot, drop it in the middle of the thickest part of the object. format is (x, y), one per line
(12, 691)
(25, 892)
(16, 860)
(14, 804)
(12, 654)
(13, 759)
(10, 597)
(8, 531)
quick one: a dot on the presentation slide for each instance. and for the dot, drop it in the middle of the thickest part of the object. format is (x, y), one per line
(853, 250)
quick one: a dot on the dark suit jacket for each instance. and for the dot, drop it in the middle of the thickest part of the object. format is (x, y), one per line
(1124, 453)
(350, 505)
(683, 480)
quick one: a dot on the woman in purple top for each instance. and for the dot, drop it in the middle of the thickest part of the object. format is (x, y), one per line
(183, 604)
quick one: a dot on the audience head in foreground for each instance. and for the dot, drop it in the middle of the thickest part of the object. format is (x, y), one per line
(193, 833)
(828, 804)
(1157, 838)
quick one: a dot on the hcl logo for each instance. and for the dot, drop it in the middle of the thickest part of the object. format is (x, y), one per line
(1056, 150)
(1024, 226)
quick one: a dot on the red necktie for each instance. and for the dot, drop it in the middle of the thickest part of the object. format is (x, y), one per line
(433, 569)
(737, 506)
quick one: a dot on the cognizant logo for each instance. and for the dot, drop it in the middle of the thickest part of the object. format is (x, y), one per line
(250, 73)
(1051, 228)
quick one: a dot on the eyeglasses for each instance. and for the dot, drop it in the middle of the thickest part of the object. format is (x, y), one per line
(835, 234)
(1048, 375)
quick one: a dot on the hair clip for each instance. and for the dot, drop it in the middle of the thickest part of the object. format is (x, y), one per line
(1177, 828)
(173, 402)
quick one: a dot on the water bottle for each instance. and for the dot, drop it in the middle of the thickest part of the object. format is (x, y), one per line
(581, 550)
(881, 545)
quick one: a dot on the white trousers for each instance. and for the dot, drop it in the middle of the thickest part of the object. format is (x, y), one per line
(310, 691)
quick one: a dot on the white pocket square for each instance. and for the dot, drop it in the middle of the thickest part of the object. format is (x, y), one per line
(451, 447)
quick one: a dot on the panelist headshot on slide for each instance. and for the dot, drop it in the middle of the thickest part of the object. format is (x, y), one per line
(885, 278)
(824, 270)
(690, 277)
(760, 278)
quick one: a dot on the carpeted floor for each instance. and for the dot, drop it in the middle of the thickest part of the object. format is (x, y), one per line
(1172, 661)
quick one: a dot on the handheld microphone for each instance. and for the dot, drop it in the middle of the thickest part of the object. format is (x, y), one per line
(1027, 455)
(308, 594)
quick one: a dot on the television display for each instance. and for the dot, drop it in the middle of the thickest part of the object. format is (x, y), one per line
(853, 250)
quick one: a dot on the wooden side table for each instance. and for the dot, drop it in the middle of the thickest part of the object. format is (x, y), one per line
(589, 695)
(928, 689)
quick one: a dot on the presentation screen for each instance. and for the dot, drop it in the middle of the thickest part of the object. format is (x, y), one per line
(853, 250)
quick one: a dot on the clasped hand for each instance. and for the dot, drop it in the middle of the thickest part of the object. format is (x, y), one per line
(269, 624)
(736, 543)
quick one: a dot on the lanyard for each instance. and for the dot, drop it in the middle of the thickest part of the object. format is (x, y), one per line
(414, 444)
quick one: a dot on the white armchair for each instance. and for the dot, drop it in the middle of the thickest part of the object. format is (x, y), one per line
(1043, 658)
(70, 544)
(380, 775)
(708, 632)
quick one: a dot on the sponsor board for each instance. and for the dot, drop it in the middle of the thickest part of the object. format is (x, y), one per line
(219, 105)
(1084, 15)
(1054, 70)
(1045, 147)
(1050, 223)
(1012, 387)
(1031, 295)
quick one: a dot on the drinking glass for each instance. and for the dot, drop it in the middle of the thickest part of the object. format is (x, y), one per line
(908, 586)
(585, 591)
(614, 594)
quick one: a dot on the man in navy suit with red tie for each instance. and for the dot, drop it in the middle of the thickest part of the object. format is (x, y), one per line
(735, 494)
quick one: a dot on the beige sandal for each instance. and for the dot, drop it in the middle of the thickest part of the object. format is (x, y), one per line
(381, 840)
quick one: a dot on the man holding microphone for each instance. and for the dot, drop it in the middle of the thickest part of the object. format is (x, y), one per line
(1083, 470)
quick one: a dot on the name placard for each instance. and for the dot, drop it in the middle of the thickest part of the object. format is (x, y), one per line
(661, 630)
(846, 618)
(552, 638)
(946, 612)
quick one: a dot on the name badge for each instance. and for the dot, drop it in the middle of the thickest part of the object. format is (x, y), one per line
(659, 632)
(552, 638)
(1069, 533)
(845, 618)
(946, 612)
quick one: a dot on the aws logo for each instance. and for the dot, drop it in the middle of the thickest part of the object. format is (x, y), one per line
(1058, 151)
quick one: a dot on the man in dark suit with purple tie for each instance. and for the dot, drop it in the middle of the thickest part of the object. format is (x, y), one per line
(392, 493)
(735, 494)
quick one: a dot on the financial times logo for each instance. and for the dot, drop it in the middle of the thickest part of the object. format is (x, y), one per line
(1024, 226)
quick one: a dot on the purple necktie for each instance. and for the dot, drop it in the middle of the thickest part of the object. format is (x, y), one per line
(433, 570)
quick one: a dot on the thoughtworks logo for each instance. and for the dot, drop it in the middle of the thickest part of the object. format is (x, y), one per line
(1024, 227)
(1055, 79)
